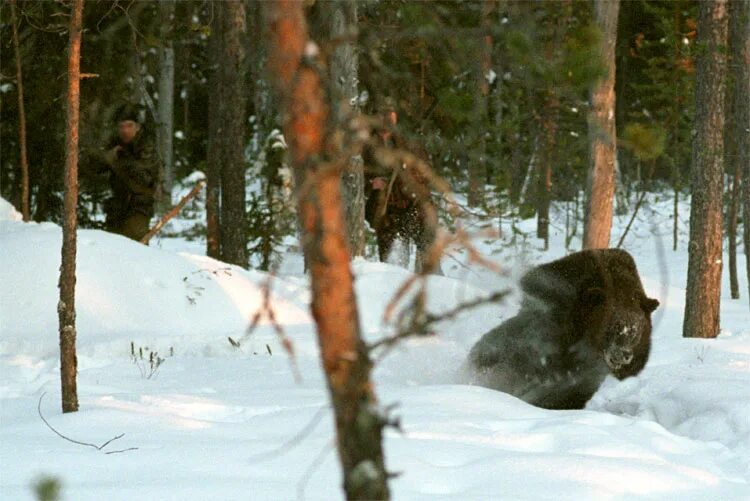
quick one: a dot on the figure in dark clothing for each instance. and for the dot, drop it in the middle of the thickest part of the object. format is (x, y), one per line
(133, 165)
(398, 202)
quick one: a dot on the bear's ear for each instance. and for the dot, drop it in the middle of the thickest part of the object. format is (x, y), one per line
(649, 305)
(593, 296)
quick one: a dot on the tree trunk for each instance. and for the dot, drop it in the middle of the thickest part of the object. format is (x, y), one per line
(737, 133)
(166, 99)
(66, 307)
(740, 36)
(732, 213)
(232, 117)
(344, 69)
(544, 180)
(345, 358)
(478, 157)
(215, 137)
(703, 295)
(21, 118)
(602, 136)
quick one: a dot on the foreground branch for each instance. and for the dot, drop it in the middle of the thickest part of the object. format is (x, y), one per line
(78, 442)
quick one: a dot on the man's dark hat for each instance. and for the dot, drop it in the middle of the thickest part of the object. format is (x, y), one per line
(128, 112)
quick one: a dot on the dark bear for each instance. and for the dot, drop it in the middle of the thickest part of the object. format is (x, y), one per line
(582, 317)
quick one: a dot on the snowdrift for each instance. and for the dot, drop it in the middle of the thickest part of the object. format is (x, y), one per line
(219, 422)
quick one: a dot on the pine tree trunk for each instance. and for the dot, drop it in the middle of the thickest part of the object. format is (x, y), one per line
(737, 133)
(334, 308)
(215, 136)
(703, 295)
(478, 157)
(25, 211)
(344, 69)
(232, 116)
(166, 98)
(544, 179)
(66, 307)
(732, 216)
(602, 136)
(740, 35)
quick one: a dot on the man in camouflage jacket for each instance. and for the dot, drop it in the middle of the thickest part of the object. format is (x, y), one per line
(133, 164)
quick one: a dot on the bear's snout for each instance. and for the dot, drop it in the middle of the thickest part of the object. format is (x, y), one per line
(622, 339)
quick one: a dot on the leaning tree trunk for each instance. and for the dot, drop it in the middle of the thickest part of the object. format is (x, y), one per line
(232, 118)
(703, 295)
(166, 99)
(602, 136)
(345, 358)
(66, 306)
(737, 133)
(342, 21)
(21, 117)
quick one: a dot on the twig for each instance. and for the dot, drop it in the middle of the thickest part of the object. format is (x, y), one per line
(316, 463)
(430, 318)
(97, 447)
(267, 309)
(173, 212)
(296, 439)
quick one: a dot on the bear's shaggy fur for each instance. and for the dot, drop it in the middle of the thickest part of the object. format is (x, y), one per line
(582, 317)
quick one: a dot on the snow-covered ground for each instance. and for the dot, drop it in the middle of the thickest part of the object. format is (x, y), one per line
(219, 422)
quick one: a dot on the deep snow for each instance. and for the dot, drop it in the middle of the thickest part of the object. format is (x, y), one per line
(216, 422)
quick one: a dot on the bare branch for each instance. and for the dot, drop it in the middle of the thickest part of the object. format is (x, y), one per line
(86, 444)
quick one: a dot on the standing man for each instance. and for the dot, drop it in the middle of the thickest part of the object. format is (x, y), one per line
(133, 165)
(398, 202)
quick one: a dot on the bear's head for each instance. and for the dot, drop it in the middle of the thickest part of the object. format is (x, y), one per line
(600, 294)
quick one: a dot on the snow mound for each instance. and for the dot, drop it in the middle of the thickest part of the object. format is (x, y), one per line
(8, 212)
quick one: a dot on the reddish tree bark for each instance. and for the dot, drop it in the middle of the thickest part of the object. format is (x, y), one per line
(334, 308)
(703, 295)
(602, 136)
(66, 306)
(21, 117)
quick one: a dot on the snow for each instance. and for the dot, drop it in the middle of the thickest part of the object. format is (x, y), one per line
(218, 422)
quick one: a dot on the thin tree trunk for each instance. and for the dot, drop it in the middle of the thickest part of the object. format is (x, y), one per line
(21, 118)
(66, 307)
(602, 136)
(732, 216)
(478, 158)
(345, 358)
(544, 180)
(344, 69)
(232, 116)
(740, 33)
(737, 133)
(703, 295)
(215, 137)
(675, 217)
(166, 98)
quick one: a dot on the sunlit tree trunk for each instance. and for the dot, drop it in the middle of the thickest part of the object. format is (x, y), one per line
(334, 308)
(703, 295)
(602, 136)
(66, 306)
(21, 117)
